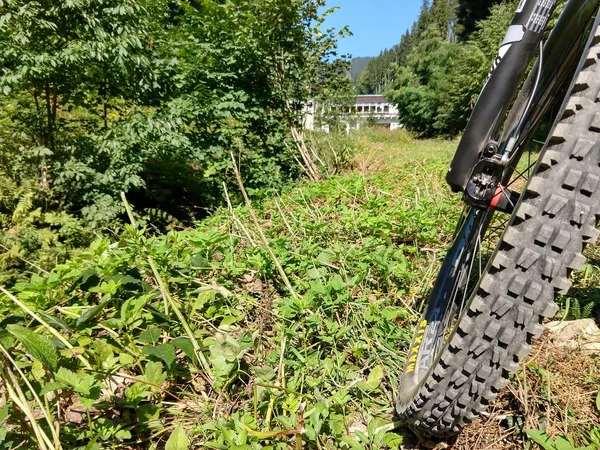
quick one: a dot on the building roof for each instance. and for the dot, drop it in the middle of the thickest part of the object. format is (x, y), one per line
(370, 99)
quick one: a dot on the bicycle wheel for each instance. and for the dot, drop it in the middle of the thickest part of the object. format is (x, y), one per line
(490, 299)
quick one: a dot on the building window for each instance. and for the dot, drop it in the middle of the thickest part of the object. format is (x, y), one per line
(386, 108)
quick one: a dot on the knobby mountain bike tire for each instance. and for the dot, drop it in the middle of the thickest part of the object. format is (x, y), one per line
(554, 220)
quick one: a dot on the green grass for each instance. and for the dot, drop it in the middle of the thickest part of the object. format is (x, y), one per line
(193, 340)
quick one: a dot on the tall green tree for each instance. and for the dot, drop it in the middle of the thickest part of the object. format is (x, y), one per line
(443, 16)
(436, 89)
(75, 68)
(470, 12)
(439, 15)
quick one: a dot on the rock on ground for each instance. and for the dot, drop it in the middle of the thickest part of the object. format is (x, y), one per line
(581, 335)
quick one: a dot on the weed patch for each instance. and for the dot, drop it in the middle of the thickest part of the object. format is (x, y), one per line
(150, 339)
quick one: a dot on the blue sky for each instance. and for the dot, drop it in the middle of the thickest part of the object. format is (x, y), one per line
(376, 24)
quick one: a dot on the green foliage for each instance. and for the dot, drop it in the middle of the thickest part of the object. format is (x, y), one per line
(336, 150)
(73, 73)
(40, 347)
(583, 301)
(434, 92)
(437, 86)
(353, 248)
(192, 340)
(33, 236)
(579, 308)
(149, 98)
(178, 440)
(547, 443)
(379, 74)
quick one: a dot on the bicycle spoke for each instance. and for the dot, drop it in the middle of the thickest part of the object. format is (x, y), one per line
(520, 174)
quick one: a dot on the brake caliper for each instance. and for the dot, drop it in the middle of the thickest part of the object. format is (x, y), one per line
(484, 189)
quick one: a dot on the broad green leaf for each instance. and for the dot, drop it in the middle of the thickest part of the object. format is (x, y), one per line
(327, 257)
(392, 440)
(150, 335)
(132, 309)
(562, 444)
(316, 273)
(265, 374)
(185, 344)
(123, 434)
(336, 283)
(126, 359)
(40, 347)
(37, 370)
(127, 281)
(104, 353)
(166, 352)
(376, 375)
(178, 440)
(106, 287)
(137, 392)
(285, 421)
(224, 355)
(352, 443)
(6, 339)
(541, 438)
(51, 387)
(3, 413)
(227, 321)
(148, 412)
(80, 382)
(154, 372)
(362, 436)
(88, 278)
(92, 312)
(341, 397)
(55, 322)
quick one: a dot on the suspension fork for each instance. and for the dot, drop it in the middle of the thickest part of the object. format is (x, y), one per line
(517, 49)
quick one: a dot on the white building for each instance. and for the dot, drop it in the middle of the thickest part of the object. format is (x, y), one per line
(366, 107)
(375, 105)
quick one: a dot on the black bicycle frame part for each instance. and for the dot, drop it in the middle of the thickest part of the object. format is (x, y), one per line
(559, 56)
(517, 49)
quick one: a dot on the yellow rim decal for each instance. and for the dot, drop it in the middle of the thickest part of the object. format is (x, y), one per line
(412, 359)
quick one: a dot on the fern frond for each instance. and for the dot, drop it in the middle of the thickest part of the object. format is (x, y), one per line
(161, 217)
(588, 310)
(23, 208)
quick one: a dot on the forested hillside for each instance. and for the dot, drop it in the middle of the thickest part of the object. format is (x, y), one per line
(436, 71)
(358, 65)
(148, 98)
